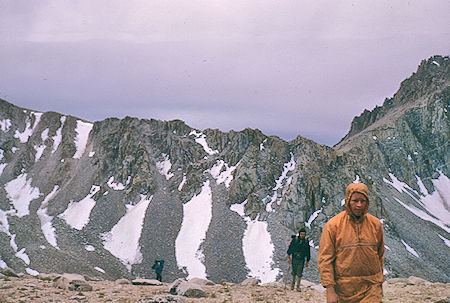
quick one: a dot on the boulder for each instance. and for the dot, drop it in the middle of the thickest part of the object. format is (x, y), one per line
(397, 280)
(47, 277)
(93, 279)
(146, 282)
(73, 282)
(251, 282)
(162, 299)
(273, 284)
(201, 282)
(78, 298)
(417, 281)
(122, 281)
(190, 290)
(9, 272)
(174, 285)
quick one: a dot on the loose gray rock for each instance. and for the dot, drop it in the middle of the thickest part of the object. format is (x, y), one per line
(162, 299)
(47, 277)
(9, 272)
(122, 281)
(416, 280)
(174, 285)
(397, 280)
(201, 282)
(273, 285)
(73, 282)
(190, 290)
(250, 282)
(146, 282)
(89, 278)
(80, 286)
(78, 298)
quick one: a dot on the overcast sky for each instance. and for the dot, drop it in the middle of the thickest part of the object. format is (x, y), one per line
(285, 67)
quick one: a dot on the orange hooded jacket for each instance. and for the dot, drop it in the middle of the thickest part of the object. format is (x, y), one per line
(351, 253)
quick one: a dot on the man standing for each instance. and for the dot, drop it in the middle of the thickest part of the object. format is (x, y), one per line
(158, 266)
(299, 249)
(351, 251)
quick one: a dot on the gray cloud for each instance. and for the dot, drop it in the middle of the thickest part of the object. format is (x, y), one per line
(286, 67)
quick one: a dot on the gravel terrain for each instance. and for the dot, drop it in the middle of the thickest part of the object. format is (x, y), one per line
(30, 289)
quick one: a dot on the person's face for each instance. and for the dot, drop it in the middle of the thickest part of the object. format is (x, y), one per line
(302, 235)
(358, 203)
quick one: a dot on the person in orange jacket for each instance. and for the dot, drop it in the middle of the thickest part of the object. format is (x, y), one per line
(351, 251)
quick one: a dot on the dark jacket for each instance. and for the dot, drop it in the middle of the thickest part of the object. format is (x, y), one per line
(299, 248)
(158, 266)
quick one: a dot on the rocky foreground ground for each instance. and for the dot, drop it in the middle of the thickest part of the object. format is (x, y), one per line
(57, 288)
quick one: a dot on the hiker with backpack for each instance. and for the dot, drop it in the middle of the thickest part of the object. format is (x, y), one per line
(158, 266)
(300, 252)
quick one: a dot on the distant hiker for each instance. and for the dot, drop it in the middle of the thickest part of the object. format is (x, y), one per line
(299, 249)
(158, 266)
(351, 251)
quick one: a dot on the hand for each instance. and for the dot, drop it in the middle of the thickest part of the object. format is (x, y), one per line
(306, 264)
(331, 295)
(289, 259)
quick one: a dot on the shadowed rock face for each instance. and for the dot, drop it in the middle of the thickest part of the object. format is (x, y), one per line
(107, 198)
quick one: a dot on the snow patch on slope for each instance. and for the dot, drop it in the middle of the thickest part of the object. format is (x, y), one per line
(433, 207)
(89, 248)
(83, 130)
(5, 125)
(40, 149)
(20, 192)
(4, 228)
(257, 247)
(222, 173)
(123, 239)
(201, 139)
(2, 167)
(117, 186)
(77, 213)
(3, 265)
(197, 214)
(32, 272)
(23, 256)
(28, 131)
(312, 218)
(58, 137)
(180, 187)
(164, 167)
(446, 241)
(287, 167)
(410, 249)
(46, 221)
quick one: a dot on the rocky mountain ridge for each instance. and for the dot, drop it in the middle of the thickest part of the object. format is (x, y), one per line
(430, 79)
(106, 198)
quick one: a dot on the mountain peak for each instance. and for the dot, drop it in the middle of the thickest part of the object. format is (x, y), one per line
(431, 77)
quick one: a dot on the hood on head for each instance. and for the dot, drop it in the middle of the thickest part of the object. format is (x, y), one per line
(356, 188)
